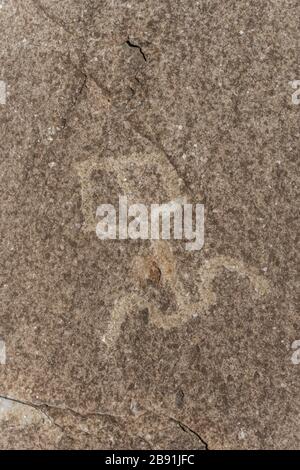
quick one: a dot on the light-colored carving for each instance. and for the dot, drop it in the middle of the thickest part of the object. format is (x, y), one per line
(126, 170)
(164, 259)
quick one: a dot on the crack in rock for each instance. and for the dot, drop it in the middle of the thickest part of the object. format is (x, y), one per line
(136, 46)
(188, 430)
(41, 406)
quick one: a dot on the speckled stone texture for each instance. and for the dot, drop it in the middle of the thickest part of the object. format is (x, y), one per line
(138, 344)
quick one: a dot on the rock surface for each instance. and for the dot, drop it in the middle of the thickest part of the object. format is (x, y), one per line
(124, 344)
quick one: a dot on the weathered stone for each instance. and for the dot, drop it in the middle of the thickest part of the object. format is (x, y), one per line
(121, 344)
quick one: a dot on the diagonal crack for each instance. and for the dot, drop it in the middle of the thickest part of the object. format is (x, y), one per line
(24, 403)
(185, 428)
(182, 425)
(130, 44)
(43, 407)
(40, 406)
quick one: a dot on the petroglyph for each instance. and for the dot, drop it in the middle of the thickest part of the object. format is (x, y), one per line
(159, 266)
(135, 176)
(161, 269)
